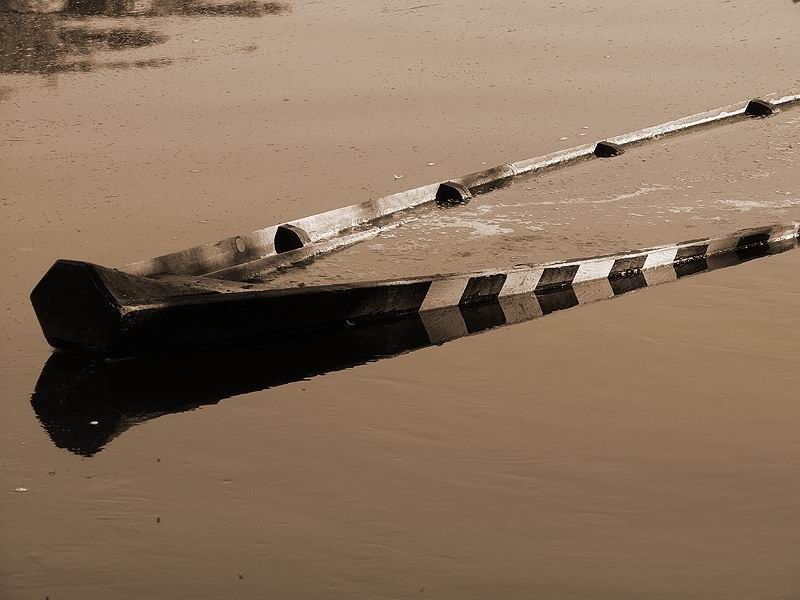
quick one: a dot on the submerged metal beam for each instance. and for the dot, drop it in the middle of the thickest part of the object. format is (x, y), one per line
(118, 314)
(247, 255)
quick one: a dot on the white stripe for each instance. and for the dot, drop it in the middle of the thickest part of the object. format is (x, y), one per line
(594, 269)
(444, 324)
(657, 258)
(444, 293)
(783, 232)
(660, 275)
(520, 308)
(520, 282)
(599, 289)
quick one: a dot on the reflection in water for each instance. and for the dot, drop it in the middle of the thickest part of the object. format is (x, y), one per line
(44, 44)
(83, 402)
(116, 8)
(50, 36)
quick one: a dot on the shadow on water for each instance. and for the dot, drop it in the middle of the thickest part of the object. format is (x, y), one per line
(54, 36)
(83, 402)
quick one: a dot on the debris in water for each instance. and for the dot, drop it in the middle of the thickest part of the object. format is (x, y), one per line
(94, 422)
(398, 176)
(431, 164)
(21, 489)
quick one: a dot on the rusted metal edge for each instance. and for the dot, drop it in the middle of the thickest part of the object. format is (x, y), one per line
(249, 254)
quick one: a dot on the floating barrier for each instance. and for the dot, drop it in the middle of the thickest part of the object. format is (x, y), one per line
(118, 314)
(83, 401)
(243, 256)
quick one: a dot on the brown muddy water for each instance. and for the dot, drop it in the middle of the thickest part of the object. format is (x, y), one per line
(641, 447)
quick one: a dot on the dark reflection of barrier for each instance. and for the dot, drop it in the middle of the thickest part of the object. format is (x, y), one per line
(84, 402)
(47, 36)
(73, 391)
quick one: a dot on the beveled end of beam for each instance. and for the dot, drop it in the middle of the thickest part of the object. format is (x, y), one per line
(74, 306)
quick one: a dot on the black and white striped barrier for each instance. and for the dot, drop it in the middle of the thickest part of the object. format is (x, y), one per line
(118, 314)
(244, 256)
(84, 401)
(565, 285)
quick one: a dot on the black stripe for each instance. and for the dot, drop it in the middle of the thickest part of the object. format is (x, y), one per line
(690, 267)
(623, 285)
(751, 252)
(751, 240)
(728, 259)
(482, 288)
(623, 265)
(478, 317)
(556, 277)
(557, 300)
(691, 251)
(782, 245)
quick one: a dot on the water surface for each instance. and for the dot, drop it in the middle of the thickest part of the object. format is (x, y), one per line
(641, 447)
